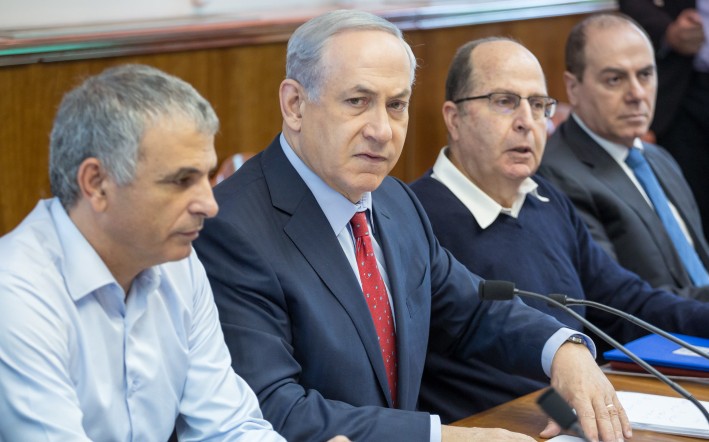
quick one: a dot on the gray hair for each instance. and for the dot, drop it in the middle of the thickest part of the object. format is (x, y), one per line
(106, 117)
(305, 47)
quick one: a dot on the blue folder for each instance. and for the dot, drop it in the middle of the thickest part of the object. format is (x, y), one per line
(658, 351)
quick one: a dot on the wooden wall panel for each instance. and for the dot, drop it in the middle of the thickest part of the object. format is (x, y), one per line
(242, 84)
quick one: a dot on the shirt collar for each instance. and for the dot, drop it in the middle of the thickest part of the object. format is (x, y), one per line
(617, 151)
(337, 209)
(84, 270)
(484, 209)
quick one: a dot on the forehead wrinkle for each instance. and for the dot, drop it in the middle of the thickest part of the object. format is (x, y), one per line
(361, 88)
(333, 59)
(497, 64)
(509, 81)
(603, 43)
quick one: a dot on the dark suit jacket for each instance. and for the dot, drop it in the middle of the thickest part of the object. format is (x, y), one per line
(617, 215)
(674, 71)
(547, 249)
(297, 324)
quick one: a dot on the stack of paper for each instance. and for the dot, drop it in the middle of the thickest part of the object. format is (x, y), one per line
(565, 438)
(665, 414)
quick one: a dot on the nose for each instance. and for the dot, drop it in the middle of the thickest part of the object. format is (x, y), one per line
(523, 116)
(203, 202)
(378, 127)
(636, 90)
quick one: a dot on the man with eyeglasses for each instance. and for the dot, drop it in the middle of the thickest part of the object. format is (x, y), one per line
(507, 102)
(655, 231)
(488, 208)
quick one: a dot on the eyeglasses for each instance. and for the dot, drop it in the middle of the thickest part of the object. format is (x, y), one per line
(506, 103)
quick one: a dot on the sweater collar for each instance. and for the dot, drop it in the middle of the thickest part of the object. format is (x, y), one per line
(484, 209)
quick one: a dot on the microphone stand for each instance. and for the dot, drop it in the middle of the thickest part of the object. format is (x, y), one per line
(501, 290)
(565, 300)
(558, 409)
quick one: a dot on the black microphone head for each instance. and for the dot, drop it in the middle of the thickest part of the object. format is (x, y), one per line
(496, 290)
(556, 408)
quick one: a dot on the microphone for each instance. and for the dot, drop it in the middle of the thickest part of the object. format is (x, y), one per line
(565, 300)
(556, 407)
(505, 290)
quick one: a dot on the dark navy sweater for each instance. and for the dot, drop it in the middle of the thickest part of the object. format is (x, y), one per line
(547, 249)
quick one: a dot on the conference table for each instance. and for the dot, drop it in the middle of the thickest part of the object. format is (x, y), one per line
(523, 415)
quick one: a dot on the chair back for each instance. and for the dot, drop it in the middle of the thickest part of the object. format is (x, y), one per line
(230, 165)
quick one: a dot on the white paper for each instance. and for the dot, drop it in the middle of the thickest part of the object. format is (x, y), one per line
(664, 414)
(565, 438)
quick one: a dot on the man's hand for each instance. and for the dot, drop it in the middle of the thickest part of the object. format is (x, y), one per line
(686, 34)
(462, 434)
(577, 378)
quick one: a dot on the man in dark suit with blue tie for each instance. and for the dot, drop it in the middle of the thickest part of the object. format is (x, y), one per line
(317, 258)
(645, 216)
(491, 211)
(676, 30)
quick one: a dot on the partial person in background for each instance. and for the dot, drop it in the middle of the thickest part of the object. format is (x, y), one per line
(108, 329)
(677, 30)
(329, 281)
(642, 213)
(493, 214)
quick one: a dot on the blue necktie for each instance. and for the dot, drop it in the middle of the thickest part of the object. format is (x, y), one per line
(648, 180)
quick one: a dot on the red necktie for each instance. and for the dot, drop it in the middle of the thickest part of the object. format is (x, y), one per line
(376, 295)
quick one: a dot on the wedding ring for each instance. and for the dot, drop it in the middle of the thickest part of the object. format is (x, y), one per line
(610, 405)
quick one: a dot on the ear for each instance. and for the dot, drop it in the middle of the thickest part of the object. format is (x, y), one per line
(572, 85)
(292, 98)
(451, 116)
(93, 182)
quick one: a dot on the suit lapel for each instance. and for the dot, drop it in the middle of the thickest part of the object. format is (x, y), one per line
(385, 232)
(610, 174)
(607, 170)
(678, 198)
(312, 235)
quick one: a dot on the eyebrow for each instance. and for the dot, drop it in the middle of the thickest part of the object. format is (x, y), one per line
(361, 89)
(624, 71)
(183, 172)
(508, 91)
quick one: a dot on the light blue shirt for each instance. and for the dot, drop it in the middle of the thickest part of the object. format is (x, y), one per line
(81, 361)
(619, 153)
(339, 210)
(701, 60)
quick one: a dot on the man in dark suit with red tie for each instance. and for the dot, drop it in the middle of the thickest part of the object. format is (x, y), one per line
(307, 306)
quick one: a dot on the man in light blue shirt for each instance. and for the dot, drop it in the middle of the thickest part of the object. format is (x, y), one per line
(107, 324)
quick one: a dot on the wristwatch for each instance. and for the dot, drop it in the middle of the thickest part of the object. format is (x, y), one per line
(576, 339)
